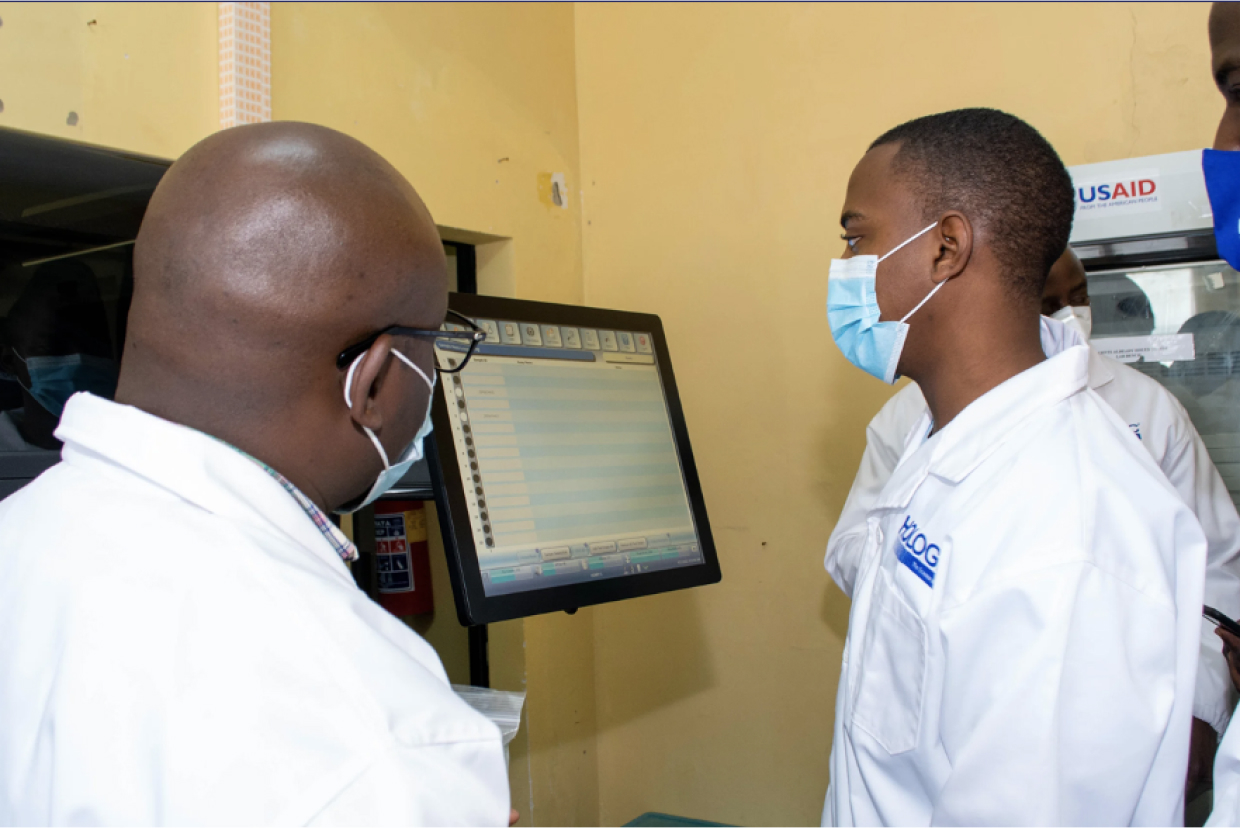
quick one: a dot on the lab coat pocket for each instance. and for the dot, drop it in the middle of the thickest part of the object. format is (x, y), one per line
(893, 671)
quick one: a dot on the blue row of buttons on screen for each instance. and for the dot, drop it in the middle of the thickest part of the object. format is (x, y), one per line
(557, 336)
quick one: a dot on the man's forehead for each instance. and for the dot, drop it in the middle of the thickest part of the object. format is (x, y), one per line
(1225, 35)
(1224, 20)
(877, 163)
(874, 188)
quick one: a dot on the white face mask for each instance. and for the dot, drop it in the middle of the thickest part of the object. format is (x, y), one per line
(392, 472)
(1077, 317)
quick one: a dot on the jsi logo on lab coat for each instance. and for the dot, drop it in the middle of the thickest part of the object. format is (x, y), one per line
(916, 552)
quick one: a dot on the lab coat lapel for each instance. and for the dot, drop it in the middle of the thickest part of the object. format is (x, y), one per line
(984, 425)
(1100, 372)
(192, 465)
(994, 414)
(910, 471)
(1058, 337)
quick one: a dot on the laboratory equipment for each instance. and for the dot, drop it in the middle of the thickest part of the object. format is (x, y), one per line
(1162, 300)
(69, 214)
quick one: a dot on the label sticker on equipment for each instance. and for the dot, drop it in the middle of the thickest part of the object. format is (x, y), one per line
(392, 559)
(1164, 348)
(1137, 192)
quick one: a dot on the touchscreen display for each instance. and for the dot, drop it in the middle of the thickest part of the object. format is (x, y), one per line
(565, 446)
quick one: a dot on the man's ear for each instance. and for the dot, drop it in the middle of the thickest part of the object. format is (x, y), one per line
(955, 234)
(368, 378)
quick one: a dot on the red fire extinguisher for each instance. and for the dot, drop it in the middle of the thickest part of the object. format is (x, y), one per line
(402, 557)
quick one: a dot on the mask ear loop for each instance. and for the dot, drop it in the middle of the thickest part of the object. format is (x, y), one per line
(348, 397)
(911, 238)
(924, 301)
(348, 401)
(918, 235)
(25, 362)
(414, 366)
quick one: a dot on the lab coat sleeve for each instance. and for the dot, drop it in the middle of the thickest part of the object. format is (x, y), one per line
(1065, 702)
(459, 783)
(1189, 468)
(885, 438)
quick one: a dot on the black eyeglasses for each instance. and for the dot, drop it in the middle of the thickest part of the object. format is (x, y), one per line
(453, 348)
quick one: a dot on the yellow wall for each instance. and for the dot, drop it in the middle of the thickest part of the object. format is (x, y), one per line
(471, 102)
(142, 77)
(716, 142)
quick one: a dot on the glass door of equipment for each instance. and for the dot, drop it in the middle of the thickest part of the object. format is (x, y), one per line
(69, 214)
(1180, 324)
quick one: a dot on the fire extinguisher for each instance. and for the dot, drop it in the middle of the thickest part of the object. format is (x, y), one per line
(402, 557)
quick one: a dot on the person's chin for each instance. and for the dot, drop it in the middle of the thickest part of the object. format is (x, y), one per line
(350, 505)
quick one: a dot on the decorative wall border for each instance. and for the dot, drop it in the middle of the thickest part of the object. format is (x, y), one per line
(245, 63)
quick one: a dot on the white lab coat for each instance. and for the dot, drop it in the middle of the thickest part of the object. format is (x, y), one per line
(1165, 430)
(181, 645)
(1227, 779)
(1024, 629)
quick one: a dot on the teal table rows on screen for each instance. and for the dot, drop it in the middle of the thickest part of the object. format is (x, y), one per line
(565, 452)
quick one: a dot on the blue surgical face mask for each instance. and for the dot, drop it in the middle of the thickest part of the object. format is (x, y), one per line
(392, 472)
(852, 311)
(1222, 173)
(54, 379)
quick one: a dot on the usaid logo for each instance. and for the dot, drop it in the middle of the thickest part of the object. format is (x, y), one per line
(1114, 192)
(1136, 194)
(914, 550)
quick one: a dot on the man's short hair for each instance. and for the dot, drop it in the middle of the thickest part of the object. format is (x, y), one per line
(1000, 173)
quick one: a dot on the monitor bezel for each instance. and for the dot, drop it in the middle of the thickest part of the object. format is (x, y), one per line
(473, 605)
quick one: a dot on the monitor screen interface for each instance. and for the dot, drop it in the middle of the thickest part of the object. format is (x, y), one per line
(565, 445)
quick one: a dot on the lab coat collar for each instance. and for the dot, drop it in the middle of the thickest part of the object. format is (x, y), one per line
(986, 423)
(1058, 337)
(191, 465)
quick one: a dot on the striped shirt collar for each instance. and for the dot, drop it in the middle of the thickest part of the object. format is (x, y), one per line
(343, 546)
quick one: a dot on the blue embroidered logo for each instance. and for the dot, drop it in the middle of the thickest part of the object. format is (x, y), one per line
(1136, 429)
(916, 552)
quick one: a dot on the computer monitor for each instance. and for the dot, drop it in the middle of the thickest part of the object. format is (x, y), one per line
(561, 463)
